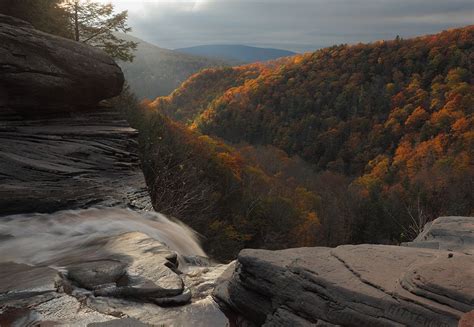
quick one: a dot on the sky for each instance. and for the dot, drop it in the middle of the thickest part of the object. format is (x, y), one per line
(297, 25)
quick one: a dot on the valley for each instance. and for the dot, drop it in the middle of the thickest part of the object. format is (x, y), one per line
(228, 185)
(352, 144)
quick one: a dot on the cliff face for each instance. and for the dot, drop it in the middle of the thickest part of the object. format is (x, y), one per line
(68, 161)
(72, 195)
(41, 72)
(58, 149)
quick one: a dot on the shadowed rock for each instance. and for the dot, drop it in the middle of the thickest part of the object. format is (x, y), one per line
(40, 72)
(60, 151)
(27, 279)
(27, 293)
(69, 161)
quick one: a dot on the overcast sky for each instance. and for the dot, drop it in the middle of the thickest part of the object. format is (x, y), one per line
(298, 25)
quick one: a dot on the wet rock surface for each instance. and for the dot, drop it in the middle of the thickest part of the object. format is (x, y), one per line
(41, 72)
(32, 294)
(126, 276)
(361, 285)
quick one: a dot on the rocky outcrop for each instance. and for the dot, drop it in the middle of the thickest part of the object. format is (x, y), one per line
(69, 161)
(78, 245)
(447, 233)
(40, 72)
(130, 279)
(77, 156)
(361, 285)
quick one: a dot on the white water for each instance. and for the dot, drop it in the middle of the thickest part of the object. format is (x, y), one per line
(47, 238)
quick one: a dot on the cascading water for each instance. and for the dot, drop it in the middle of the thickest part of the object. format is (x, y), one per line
(51, 238)
(103, 239)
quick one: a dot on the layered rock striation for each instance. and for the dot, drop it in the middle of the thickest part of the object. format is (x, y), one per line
(58, 148)
(78, 246)
(429, 283)
(68, 161)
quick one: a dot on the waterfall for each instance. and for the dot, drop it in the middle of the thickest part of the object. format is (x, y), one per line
(50, 239)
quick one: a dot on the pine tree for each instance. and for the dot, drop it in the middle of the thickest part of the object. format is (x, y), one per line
(45, 15)
(97, 25)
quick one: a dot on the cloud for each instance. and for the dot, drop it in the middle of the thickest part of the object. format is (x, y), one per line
(291, 24)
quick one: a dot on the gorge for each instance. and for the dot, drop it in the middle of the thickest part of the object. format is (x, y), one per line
(81, 245)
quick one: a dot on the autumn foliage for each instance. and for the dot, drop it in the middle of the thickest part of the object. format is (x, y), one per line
(384, 132)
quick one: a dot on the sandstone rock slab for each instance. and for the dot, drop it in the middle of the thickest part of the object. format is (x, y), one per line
(361, 285)
(447, 233)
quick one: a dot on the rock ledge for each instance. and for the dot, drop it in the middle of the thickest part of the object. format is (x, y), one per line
(358, 285)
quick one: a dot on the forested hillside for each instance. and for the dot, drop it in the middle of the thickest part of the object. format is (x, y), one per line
(157, 72)
(390, 123)
(251, 196)
(188, 101)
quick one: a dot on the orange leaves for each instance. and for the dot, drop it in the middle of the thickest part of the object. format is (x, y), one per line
(298, 59)
(377, 170)
(306, 233)
(423, 155)
(443, 118)
(403, 152)
(461, 125)
(233, 162)
(398, 100)
(417, 118)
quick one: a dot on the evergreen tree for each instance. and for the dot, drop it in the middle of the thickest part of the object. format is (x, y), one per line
(45, 15)
(97, 24)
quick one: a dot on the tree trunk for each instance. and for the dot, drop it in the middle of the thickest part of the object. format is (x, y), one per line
(76, 20)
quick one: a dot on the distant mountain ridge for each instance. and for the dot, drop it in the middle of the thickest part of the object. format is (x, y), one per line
(157, 71)
(238, 53)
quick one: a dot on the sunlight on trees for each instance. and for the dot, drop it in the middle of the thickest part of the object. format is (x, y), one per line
(98, 25)
(394, 118)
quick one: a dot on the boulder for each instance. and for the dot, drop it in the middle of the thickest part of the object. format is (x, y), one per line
(150, 271)
(42, 72)
(58, 148)
(93, 274)
(354, 285)
(447, 233)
